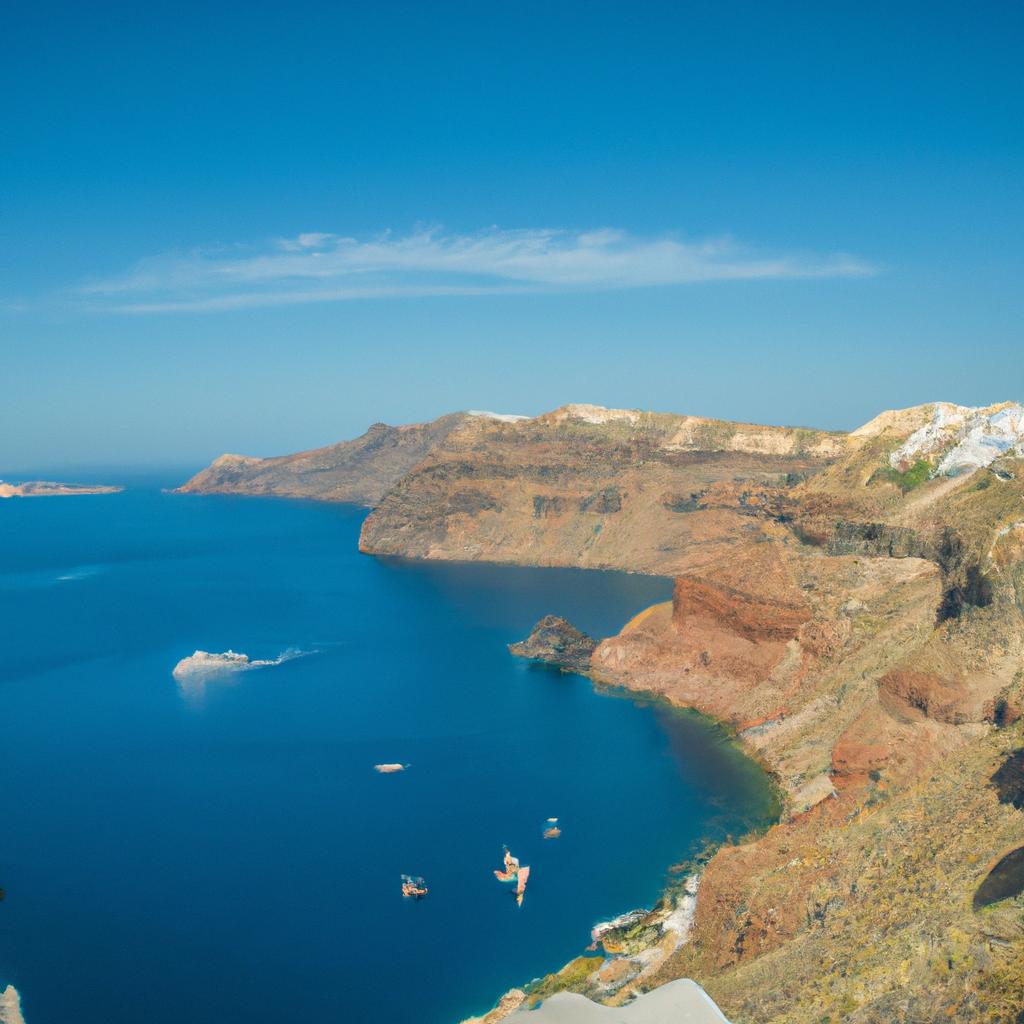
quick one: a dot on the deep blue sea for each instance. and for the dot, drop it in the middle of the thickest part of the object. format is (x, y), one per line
(228, 854)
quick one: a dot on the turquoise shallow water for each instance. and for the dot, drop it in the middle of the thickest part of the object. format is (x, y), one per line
(229, 854)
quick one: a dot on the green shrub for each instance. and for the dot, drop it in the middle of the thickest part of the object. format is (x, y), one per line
(920, 472)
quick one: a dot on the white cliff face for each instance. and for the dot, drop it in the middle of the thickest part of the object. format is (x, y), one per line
(998, 434)
(963, 439)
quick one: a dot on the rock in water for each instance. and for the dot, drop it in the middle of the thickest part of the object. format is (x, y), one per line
(557, 642)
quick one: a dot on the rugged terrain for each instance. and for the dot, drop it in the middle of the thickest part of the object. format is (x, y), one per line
(587, 486)
(853, 606)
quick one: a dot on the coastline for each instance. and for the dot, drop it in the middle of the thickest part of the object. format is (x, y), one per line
(860, 640)
(603, 613)
(628, 951)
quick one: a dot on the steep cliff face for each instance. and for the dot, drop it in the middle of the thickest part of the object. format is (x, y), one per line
(358, 471)
(863, 632)
(589, 486)
(882, 700)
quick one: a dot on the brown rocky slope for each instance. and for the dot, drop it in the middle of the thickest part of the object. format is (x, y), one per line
(593, 487)
(859, 620)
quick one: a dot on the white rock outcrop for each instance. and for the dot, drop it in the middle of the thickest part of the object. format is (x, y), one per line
(963, 439)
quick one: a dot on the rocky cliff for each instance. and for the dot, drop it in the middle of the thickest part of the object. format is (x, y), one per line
(861, 627)
(593, 487)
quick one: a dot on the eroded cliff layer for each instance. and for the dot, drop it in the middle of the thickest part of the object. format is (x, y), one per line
(593, 487)
(863, 632)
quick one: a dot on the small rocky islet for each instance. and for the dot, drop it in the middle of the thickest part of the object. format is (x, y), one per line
(558, 643)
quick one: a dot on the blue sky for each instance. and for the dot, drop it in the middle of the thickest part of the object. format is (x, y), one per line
(261, 227)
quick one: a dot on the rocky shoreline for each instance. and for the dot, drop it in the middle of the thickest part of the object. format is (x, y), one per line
(627, 952)
(624, 953)
(852, 607)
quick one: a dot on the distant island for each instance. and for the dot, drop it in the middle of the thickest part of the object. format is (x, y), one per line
(850, 605)
(52, 489)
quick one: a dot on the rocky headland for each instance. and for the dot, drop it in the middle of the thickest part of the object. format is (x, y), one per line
(359, 472)
(852, 606)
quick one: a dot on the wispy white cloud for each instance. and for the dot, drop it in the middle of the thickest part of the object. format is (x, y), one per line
(323, 267)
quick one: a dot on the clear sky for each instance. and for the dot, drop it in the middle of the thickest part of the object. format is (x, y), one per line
(259, 227)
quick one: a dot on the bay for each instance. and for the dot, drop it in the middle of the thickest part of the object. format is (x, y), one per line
(226, 852)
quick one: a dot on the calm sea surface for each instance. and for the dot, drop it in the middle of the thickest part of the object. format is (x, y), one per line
(228, 854)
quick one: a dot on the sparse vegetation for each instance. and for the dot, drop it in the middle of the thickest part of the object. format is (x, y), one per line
(574, 977)
(920, 472)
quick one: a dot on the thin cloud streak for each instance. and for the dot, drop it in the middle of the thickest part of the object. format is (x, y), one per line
(324, 267)
(252, 300)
